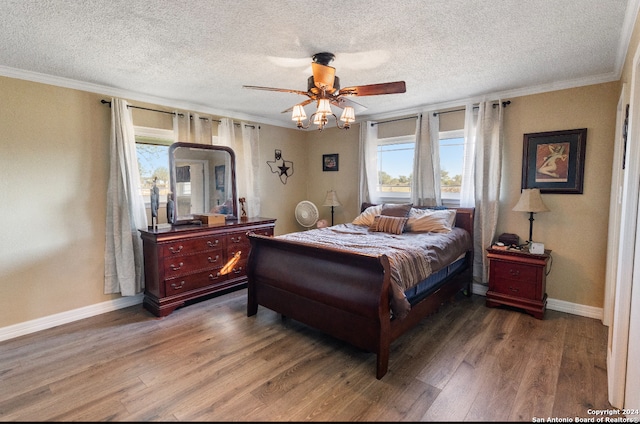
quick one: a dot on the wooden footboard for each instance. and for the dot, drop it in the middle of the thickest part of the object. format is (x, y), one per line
(343, 294)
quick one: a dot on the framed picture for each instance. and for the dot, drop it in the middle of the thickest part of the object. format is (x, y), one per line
(219, 170)
(330, 162)
(554, 161)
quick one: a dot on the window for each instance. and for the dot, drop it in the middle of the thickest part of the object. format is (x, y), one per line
(451, 162)
(395, 167)
(152, 150)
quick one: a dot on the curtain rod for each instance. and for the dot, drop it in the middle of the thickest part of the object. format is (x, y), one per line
(161, 111)
(393, 120)
(504, 104)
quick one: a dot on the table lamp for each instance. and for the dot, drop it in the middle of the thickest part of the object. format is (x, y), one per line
(530, 201)
(331, 200)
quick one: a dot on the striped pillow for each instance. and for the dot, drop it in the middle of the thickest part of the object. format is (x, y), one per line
(388, 224)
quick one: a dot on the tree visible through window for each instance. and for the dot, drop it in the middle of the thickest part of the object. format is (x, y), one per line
(451, 162)
(395, 166)
(153, 160)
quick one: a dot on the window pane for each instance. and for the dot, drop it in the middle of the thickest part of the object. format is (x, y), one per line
(395, 164)
(153, 161)
(451, 160)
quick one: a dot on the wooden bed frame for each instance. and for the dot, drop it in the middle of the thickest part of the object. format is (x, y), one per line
(345, 295)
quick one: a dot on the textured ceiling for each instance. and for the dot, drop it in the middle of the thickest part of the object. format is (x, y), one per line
(198, 55)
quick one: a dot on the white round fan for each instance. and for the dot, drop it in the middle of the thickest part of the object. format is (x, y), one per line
(306, 214)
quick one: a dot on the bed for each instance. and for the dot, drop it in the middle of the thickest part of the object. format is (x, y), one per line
(364, 295)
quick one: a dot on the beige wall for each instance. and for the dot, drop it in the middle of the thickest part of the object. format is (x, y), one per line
(53, 178)
(54, 150)
(576, 227)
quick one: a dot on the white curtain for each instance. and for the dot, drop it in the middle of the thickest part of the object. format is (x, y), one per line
(226, 133)
(486, 129)
(181, 127)
(425, 184)
(467, 187)
(368, 157)
(191, 128)
(123, 268)
(251, 150)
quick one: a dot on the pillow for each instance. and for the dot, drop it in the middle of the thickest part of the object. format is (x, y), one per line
(366, 217)
(428, 220)
(396, 209)
(365, 205)
(388, 224)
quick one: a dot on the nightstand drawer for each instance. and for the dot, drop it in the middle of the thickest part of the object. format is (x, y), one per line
(520, 288)
(514, 270)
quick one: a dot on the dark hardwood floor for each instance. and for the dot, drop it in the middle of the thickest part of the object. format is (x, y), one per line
(210, 362)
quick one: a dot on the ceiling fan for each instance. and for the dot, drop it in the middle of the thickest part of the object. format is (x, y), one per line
(323, 87)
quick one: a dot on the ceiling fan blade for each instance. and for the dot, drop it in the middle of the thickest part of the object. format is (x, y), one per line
(374, 89)
(283, 90)
(306, 102)
(342, 102)
(323, 75)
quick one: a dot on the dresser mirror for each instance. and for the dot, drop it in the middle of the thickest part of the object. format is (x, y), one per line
(203, 180)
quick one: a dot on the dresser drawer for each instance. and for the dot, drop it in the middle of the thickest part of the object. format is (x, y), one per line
(237, 240)
(239, 269)
(519, 288)
(192, 245)
(514, 270)
(193, 281)
(268, 232)
(187, 264)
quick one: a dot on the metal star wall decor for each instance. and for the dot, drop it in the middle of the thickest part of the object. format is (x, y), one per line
(284, 168)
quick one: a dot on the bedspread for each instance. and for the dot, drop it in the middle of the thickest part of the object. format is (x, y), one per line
(412, 256)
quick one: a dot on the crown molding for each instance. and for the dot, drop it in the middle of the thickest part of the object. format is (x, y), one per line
(128, 95)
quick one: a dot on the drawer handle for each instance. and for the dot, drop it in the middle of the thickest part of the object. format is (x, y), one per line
(172, 250)
(176, 267)
(213, 260)
(236, 239)
(514, 272)
(212, 244)
(513, 289)
(214, 277)
(177, 286)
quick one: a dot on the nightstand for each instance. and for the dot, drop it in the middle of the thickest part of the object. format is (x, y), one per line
(518, 278)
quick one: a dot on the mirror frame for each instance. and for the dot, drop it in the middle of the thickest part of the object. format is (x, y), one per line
(177, 220)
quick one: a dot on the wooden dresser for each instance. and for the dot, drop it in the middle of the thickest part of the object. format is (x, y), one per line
(518, 279)
(185, 263)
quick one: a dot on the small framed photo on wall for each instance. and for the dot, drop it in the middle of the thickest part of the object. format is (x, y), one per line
(554, 161)
(330, 162)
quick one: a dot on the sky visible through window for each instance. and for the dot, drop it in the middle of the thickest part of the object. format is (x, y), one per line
(399, 161)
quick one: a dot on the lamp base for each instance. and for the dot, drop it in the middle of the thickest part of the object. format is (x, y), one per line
(530, 228)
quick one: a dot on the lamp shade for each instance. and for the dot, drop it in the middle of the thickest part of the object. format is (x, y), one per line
(530, 201)
(348, 115)
(298, 113)
(324, 107)
(331, 199)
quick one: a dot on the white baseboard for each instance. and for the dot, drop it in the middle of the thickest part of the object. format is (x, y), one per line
(51, 321)
(556, 305)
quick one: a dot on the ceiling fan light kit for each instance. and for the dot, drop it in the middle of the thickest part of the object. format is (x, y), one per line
(323, 87)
